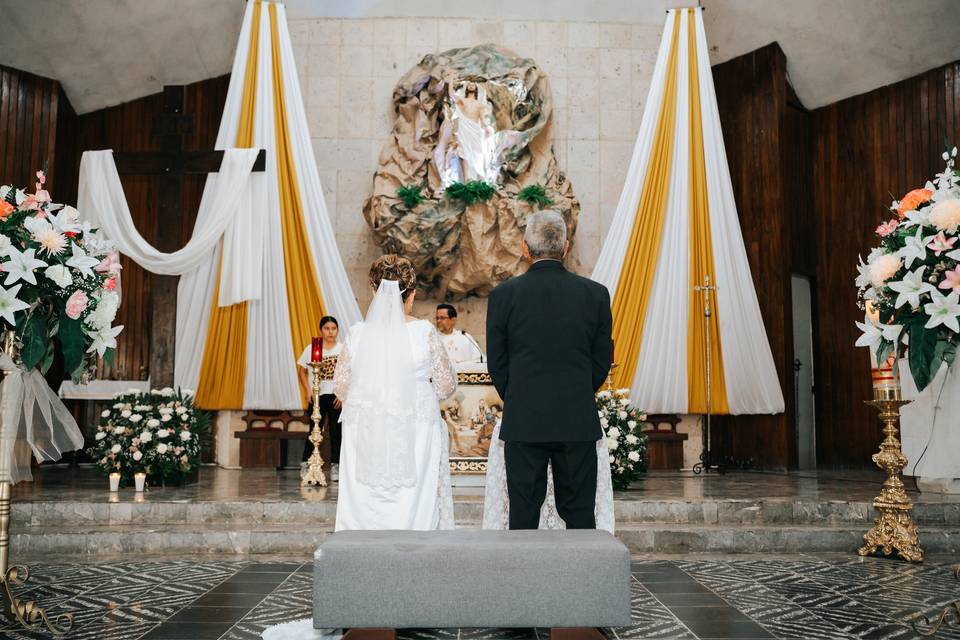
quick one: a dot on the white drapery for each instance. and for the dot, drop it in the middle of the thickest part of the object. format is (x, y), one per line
(270, 379)
(661, 380)
(227, 215)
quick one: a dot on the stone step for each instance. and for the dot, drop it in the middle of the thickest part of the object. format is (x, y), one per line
(246, 514)
(294, 538)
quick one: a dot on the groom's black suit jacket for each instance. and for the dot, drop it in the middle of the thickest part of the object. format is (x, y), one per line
(549, 350)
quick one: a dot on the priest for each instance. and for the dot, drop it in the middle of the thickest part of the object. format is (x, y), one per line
(460, 345)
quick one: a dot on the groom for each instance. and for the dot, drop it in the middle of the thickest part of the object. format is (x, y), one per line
(548, 337)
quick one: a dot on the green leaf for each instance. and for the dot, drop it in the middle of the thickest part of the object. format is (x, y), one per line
(35, 340)
(920, 354)
(884, 351)
(71, 337)
(410, 194)
(48, 358)
(109, 356)
(535, 194)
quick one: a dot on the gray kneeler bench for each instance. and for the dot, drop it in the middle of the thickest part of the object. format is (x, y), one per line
(385, 580)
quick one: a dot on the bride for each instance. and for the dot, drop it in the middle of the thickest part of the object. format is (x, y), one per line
(391, 375)
(394, 460)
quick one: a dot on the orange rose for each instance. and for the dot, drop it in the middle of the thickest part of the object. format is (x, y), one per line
(913, 200)
(6, 209)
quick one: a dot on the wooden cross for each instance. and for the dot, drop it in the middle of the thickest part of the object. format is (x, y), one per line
(171, 163)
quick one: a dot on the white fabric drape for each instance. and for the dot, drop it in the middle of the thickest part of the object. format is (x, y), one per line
(228, 215)
(271, 380)
(660, 383)
(607, 269)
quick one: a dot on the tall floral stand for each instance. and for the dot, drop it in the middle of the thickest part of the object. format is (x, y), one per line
(894, 530)
(26, 612)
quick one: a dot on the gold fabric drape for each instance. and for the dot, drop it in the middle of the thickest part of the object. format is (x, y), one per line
(304, 298)
(701, 264)
(224, 365)
(636, 277)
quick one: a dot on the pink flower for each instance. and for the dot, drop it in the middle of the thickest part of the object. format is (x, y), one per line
(110, 264)
(76, 304)
(951, 280)
(110, 284)
(941, 243)
(887, 228)
(42, 179)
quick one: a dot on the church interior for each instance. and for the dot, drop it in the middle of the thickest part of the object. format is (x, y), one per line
(777, 415)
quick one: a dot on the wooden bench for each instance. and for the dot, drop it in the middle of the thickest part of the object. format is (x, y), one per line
(664, 444)
(374, 582)
(263, 441)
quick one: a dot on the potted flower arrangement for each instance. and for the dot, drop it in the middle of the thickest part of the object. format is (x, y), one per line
(59, 282)
(160, 433)
(911, 282)
(626, 443)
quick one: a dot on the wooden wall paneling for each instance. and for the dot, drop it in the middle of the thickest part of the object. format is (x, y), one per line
(752, 99)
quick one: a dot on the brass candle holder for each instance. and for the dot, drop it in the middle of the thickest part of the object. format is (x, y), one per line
(25, 612)
(314, 475)
(894, 530)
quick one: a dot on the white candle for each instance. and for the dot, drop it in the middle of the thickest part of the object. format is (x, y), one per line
(139, 479)
(114, 482)
(885, 380)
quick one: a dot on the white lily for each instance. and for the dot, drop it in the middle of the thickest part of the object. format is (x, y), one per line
(863, 273)
(67, 221)
(954, 255)
(21, 266)
(911, 288)
(81, 261)
(915, 217)
(104, 339)
(874, 334)
(10, 304)
(915, 249)
(943, 310)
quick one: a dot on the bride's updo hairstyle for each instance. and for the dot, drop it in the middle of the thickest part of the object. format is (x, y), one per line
(394, 267)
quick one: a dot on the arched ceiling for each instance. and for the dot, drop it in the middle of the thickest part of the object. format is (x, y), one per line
(106, 52)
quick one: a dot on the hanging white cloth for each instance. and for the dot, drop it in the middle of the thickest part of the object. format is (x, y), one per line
(228, 214)
(40, 422)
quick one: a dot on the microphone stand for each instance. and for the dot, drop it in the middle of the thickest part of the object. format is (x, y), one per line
(706, 463)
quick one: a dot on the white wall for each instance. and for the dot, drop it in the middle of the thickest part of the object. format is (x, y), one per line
(599, 75)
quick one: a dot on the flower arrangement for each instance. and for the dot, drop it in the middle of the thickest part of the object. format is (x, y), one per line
(160, 433)
(910, 284)
(60, 279)
(626, 443)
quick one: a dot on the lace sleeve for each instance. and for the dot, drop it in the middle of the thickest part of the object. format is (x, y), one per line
(442, 373)
(341, 375)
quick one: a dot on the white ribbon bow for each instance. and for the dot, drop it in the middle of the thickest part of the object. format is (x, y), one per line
(48, 433)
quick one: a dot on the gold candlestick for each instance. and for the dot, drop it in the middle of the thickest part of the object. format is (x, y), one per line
(894, 530)
(26, 612)
(314, 474)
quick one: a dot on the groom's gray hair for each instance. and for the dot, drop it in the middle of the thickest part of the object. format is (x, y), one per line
(546, 234)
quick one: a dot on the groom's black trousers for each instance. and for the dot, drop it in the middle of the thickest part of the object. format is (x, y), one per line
(574, 481)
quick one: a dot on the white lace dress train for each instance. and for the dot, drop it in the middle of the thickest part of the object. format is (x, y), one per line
(496, 502)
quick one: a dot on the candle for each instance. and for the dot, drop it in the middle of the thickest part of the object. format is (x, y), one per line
(886, 383)
(139, 480)
(114, 482)
(316, 349)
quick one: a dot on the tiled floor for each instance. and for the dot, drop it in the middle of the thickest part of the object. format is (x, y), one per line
(723, 597)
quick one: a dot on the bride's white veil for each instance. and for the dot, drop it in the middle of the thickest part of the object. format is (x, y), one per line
(382, 398)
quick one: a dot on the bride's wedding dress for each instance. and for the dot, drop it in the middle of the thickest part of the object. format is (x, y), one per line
(496, 502)
(395, 459)
(420, 496)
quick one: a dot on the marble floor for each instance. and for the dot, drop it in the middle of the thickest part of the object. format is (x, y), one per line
(61, 483)
(699, 597)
